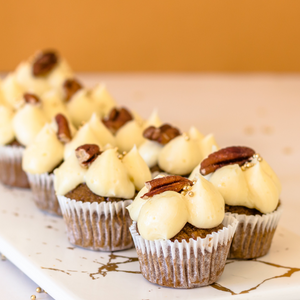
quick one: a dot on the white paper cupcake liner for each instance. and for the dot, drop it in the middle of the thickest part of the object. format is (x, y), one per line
(184, 264)
(42, 186)
(98, 226)
(254, 234)
(11, 172)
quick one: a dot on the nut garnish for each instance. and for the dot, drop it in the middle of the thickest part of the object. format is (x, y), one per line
(86, 154)
(117, 118)
(70, 87)
(44, 63)
(163, 134)
(63, 132)
(224, 157)
(169, 183)
(31, 99)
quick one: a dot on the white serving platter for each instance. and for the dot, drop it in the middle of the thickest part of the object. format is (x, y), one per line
(36, 243)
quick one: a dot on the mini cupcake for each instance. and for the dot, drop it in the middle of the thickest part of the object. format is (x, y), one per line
(180, 233)
(167, 150)
(93, 190)
(251, 191)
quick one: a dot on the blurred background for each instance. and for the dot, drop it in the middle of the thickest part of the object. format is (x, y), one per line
(160, 36)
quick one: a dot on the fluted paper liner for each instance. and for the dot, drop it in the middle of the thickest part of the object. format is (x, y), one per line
(254, 234)
(184, 264)
(42, 186)
(98, 226)
(11, 172)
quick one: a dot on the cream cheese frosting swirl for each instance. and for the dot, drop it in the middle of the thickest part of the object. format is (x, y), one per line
(256, 187)
(6, 125)
(45, 153)
(27, 123)
(165, 214)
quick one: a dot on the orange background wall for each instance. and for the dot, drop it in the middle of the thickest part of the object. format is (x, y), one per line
(156, 35)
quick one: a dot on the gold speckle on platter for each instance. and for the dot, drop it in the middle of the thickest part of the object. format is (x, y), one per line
(33, 297)
(38, 290)
(3, 257)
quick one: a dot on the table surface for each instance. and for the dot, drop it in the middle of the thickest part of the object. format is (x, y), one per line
(260, 111)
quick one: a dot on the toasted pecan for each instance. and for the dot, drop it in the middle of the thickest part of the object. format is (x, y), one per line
(163, 134)
(44, 63)
(31, 99)
(63, 132)
(117, 118)
(226, 156)
(169, 183)
(70, 87)
(87, 153)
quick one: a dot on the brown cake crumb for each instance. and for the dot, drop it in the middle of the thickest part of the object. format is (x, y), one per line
(190, 231)
(84, 194)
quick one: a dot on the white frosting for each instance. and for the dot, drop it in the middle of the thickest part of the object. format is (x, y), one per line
(208, 145)
(52, 105)
(206, 206)
(85, 135)
(135, 207)
(195, 134)
(256, 187)
(68, 176)
(27, 123)
(6, 127)
(12, 91)
(101, 131)
(129, 135)
(81, 107)
(153, 120)
(149, 151)
(44, 154)
(137, 169)
(103, 99)
(108, 177)
(180, 156)
(60, 74)
(163, 216)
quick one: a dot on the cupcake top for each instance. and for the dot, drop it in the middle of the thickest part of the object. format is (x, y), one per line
(173, 152)
(243, 178)
(164, 206)
(42, 72)
(107, 173)
(47, 150)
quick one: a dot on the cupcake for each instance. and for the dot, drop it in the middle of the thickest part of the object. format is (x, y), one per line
(40, 159)
(93, 189)
(179, 231)
(251, 192)
(167, 150)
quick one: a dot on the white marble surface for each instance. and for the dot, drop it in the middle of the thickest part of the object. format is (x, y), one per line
(260, 111)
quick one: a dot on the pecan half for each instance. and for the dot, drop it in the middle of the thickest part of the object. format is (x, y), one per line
(44, 63)
(63, 132)
(163, 134)
(169, 183)
(224, 157)
(31, 99)
(117, 118)
(87, 153)
(70, 87)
